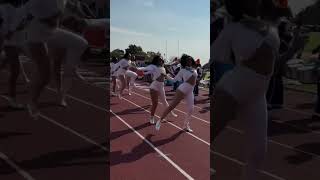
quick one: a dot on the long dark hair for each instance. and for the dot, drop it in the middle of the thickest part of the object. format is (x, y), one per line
(266, 9)
(184, 60)
(157, 60)
(126, 55)
(114, 60)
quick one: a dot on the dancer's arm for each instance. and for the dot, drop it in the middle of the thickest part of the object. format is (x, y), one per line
(146, 70)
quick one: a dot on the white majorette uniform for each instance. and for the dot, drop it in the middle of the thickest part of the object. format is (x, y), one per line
(247, 86)
(183, 75)
(121, 67)
(187, 89)
(38, 31)
(156, 85)
(156, 72)
(132, 75)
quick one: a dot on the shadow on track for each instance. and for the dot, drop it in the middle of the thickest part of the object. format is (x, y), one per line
(300, 157)
(92, 155)
(140, 150)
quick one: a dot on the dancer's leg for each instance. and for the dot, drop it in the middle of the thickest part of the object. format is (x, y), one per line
(255, 119)
(154, 98)
(223, 110)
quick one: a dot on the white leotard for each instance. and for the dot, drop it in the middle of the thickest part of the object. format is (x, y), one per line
(121, 67)
(154, 70)
(184, 74)
(242, 47)
(42, 9)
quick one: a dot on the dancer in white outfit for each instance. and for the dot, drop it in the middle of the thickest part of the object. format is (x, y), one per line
(121, 69)
(157, 86)
(131, 76)
(185, 91)
(113, 74)
(46, 15)
(241, 92)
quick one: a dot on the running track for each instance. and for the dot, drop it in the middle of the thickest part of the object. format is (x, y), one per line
(139, 152)
(293, 146)
(65, 143)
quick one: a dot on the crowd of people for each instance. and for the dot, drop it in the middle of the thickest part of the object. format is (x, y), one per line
(185, 73)
(49, 32)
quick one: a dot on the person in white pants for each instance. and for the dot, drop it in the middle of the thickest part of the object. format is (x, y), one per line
(189, 75)
(131, 76)
(113, 74)
(66, 48)
(121, 68)
(157, 90)
(241, 93)
(46, 15)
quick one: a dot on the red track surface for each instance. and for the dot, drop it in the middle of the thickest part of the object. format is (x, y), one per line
(139, 152)
(293, 147)
(65, 143)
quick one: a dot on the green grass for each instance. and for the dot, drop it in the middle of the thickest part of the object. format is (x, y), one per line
(314, 41)
(207, 76)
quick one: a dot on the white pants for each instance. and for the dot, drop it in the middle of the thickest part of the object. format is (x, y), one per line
(249, 90)
(74, 45)
(187, 90)
(159, 87)
(132, 75)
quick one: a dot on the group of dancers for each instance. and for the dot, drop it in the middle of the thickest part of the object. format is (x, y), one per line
(38, 30)
(124, 74)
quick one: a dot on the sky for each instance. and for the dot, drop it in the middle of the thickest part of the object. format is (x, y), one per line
(298, 5)
(152, 24)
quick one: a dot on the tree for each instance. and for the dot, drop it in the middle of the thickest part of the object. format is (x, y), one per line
(150, 55)
(118, 53)
(134, 49)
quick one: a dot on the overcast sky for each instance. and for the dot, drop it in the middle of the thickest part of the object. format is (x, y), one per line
(297, 5)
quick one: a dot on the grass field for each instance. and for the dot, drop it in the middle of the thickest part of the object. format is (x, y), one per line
(314, 41)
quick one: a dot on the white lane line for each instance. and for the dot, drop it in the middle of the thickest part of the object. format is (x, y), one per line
(154, 148)
(207, 143)
(74, 132)
(71, 130)
(294, 126)
(232, 129)
(104, 109)
(196, 137)
(22, 172)
(243, 164)
(203, 120)
(280, 144)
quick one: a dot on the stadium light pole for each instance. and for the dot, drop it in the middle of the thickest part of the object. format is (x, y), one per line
(166, 50)
(178, 49)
